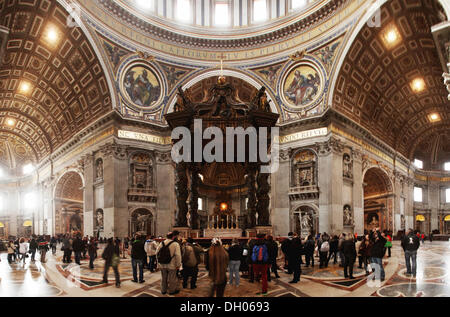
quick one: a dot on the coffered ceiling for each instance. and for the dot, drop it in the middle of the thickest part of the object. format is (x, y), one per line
(375, 86)
(51, 81)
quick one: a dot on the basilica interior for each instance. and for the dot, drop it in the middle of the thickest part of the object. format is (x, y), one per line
(354, 96)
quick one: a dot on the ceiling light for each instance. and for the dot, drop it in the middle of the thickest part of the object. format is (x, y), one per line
(390, 36)
(418, 85)
(52, 35)
(10, 122)
(144, 4)
(434, 117)
(24, 87)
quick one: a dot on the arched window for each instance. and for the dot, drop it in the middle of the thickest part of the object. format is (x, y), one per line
(183, 11)
(260, 10)
(222, 13)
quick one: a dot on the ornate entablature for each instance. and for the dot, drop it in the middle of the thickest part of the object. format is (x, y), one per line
(271, 64)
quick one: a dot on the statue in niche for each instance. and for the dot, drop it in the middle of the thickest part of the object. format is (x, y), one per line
(347, 166)
(141, 222)
(99, 219)
(348, 218)
(306, 223)
(402, 222)
(99, 169)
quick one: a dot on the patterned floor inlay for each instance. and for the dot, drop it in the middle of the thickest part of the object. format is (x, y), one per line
(59, 279)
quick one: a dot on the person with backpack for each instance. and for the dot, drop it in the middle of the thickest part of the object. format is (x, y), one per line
(111, 255)
(190, 258)
(235, 253)
(169, 260)
(150, 248)
(137, 258)
(260, 259)
(323, 247)
(410, 245)
(294, 253)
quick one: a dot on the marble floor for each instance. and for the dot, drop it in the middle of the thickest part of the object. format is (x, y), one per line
(55, 278)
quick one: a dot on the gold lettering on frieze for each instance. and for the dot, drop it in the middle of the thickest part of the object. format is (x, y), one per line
(144, 137)
(303, 135)
(87, 144)
(114, 24)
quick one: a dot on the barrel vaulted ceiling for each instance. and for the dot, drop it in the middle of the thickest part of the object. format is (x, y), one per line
(67, 88)
(374, 86)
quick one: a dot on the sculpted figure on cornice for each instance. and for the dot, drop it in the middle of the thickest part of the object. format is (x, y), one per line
(332, 145)
(357, 155)
(163, 157)
(285, 154)
(88, 160)
(117, 151)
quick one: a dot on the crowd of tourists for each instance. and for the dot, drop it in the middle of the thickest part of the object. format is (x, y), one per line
(178, 259)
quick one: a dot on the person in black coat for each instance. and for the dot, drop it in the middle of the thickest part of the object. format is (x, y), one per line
(137, 258)
(377, 252)
(272, 249)
(309, 250)
(92, 251)
(285, 246)
(77, 247)
(108, 255)
(33, 248)
(410, 244)
(349, 251)
(334, 246)
(294, 254)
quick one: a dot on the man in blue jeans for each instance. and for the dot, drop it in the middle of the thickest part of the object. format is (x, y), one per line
(377, 253)
(138, 255)
(410, 245)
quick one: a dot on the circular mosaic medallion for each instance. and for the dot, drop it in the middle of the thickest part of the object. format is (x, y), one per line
(141, 85)
(302, 86)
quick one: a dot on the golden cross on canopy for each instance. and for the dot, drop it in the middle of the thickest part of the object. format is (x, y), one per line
(221, 56)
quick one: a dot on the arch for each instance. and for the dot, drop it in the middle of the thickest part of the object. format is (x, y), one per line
(226, 72)
(141, 220)
(305, 215)
(378, 199)
(68, 195)
(69, 7)
(381, 173)
(348, 44)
